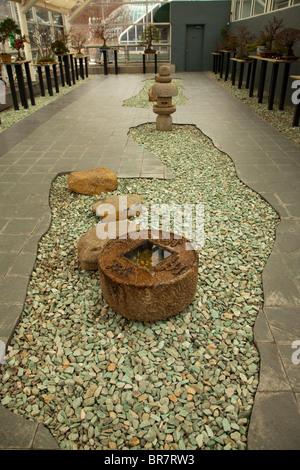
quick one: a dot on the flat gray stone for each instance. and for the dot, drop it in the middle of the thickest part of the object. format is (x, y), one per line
(9, 318)
(272, 374)
(289, 357)
(284, 323)
(26, 434)
(13, 289)
(280, 292)
(262, 332)
(275, 422)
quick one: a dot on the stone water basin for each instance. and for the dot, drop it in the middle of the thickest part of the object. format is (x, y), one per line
(149, 278)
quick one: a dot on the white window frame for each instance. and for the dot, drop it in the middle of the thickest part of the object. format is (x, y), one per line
(236, 16)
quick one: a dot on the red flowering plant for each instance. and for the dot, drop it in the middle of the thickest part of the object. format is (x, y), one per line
(18, 44)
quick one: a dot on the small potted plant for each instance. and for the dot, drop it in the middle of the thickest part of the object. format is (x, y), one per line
(268, 35)
(104, 32)
(257, 46)
(59, 47)
(40, 38)
(229, 41)
(46, 60)
(8, 28)
(78, 40)
(285, 40)
(244, 37)
(18, 43)
(150, 35)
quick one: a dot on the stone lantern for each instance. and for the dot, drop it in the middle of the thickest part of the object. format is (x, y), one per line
(164, 90)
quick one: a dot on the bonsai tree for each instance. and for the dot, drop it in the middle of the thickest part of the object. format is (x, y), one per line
(286, 39)
(41, 39)
(78, 40)
(244, 37)
(150, 35)
(229, 40)
(59, 47)
(18, 43)
(8, 28)
(269, 33)
(104, 32)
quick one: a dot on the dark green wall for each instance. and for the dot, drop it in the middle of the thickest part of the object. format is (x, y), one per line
(214, 15)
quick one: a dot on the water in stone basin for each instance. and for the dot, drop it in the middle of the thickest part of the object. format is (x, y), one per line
(147, 255)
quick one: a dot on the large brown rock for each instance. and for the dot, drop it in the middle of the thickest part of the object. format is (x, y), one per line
(93, 181)
(89, 249)
(90, 246)
(126, 205)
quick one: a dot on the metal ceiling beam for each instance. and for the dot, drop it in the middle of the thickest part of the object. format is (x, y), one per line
(26, 5)
(78, 10)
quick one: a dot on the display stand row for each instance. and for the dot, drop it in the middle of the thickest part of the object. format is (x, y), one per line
(70, 67)
(145, 54)
(219, 58)
(297, 106)
(105, 60)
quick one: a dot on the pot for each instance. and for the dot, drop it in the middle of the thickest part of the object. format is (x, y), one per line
(6, 58)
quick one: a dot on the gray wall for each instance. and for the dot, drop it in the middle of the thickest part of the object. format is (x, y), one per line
(213, 15)
(291, 18)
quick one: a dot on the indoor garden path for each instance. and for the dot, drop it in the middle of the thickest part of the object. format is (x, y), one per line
(90, 127)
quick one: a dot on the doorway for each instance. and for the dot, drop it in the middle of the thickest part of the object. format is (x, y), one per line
(194, 47)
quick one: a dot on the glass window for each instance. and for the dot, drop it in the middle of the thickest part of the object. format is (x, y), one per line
(140, 30)
(278, 4)
(259, 6)
(57, 18)
(132, 34)
(236, 14)
(58, 32)
(29, 15)
(164, 33)
(42, 15)
(246, 8)
(5, 9)
(121, 20)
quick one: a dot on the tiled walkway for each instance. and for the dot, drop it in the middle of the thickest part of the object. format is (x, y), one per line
(87, 128)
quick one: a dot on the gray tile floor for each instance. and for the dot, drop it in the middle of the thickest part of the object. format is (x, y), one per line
(89, 127)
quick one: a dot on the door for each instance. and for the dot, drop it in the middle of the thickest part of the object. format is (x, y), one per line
(194, 47)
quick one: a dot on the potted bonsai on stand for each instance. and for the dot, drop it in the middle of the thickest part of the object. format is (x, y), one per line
(150, 35)
(268, 35)
(42, 40)
(78, 40)
(285, 41)
(59, 47)
(8, 29)
(18, 44)
(229, 41)
(244, 37)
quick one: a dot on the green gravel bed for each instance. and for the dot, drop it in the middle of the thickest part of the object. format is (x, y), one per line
(10, 116)
(281, 120)
(99, 381)
(141, 100)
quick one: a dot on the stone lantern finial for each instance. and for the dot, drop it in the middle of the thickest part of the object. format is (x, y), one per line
(164, 90)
